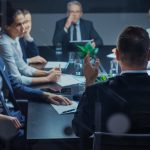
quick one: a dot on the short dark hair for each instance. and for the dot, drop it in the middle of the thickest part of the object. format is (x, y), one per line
(11, 14)
(25, 12)
(133, 44)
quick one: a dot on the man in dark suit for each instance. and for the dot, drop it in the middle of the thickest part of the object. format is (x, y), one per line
(73, 28)
(128, 92)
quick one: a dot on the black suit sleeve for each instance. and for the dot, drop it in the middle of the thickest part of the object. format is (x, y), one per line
(31, 49)
(82, 122)
(94, 35)
(23, 92)
(60, 36)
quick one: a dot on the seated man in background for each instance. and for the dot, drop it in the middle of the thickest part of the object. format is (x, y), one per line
(29, 49)
(132, 87)
(148, 30)
(11, 53)
(74, 28)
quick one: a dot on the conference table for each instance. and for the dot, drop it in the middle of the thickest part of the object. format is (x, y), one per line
(43, 122)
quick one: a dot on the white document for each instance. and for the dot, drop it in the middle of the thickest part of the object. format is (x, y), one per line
(112, 55)
(66, 80)
(148, 71)
(53, 64)
(148, 65)
(81, 79)
(65, 109)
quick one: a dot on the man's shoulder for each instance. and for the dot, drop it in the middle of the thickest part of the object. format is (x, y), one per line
(110, 83)
(96, 86)
(85, 21)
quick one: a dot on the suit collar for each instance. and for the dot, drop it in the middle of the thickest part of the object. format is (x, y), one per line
(134, 71)
(135, 74)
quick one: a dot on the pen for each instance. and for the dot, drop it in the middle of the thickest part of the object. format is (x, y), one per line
(59, 67)
(67, 111)
(67, 65)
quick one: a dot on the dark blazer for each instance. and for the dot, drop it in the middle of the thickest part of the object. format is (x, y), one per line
(134, 90)
(29, 49)
(18, 90)
(6, 83)
(87, 33)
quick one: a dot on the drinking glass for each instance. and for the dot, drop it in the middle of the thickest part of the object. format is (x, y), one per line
(113, 67)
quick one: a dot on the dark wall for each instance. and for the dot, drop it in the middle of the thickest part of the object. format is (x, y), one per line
(89, 6)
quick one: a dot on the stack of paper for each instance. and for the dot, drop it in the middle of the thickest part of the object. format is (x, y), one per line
(53, 64)
(66, 80)
(65, 109)
(112, 55)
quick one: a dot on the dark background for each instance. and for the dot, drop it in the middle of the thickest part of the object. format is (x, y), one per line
(89, 6)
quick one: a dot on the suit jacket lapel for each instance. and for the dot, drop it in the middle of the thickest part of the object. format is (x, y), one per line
(82, 30)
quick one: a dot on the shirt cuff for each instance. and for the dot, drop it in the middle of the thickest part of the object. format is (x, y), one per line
(66, 30)
(28, 60)
(29, 38)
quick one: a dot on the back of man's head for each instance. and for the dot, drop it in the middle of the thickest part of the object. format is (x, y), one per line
(133, 45)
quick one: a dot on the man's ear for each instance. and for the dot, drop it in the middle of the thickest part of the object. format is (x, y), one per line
(81, 14)
(117, 54)
(149, 55)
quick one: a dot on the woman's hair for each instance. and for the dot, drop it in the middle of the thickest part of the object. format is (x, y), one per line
(11, 14)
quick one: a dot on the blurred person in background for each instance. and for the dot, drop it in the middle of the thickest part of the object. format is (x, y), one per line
(148, 30)
(29, 49)
(74, 28)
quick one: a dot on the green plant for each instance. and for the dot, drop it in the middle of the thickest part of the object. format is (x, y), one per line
(101, 78)
(87, 48)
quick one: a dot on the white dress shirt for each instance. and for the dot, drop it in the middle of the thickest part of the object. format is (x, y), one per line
(148, 30)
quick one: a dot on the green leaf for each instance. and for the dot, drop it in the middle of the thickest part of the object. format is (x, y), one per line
(87, 48)
(101, 78)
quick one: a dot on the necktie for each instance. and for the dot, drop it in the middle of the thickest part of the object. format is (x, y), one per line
(74, 32)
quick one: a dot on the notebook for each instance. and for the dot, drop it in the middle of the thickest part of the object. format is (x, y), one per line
(65, 109)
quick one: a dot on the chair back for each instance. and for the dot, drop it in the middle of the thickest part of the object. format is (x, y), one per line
(125, 141)
(119, 134)
(7, 130)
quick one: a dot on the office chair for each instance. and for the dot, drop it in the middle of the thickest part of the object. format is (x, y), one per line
(117, 138)
(7, 133)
